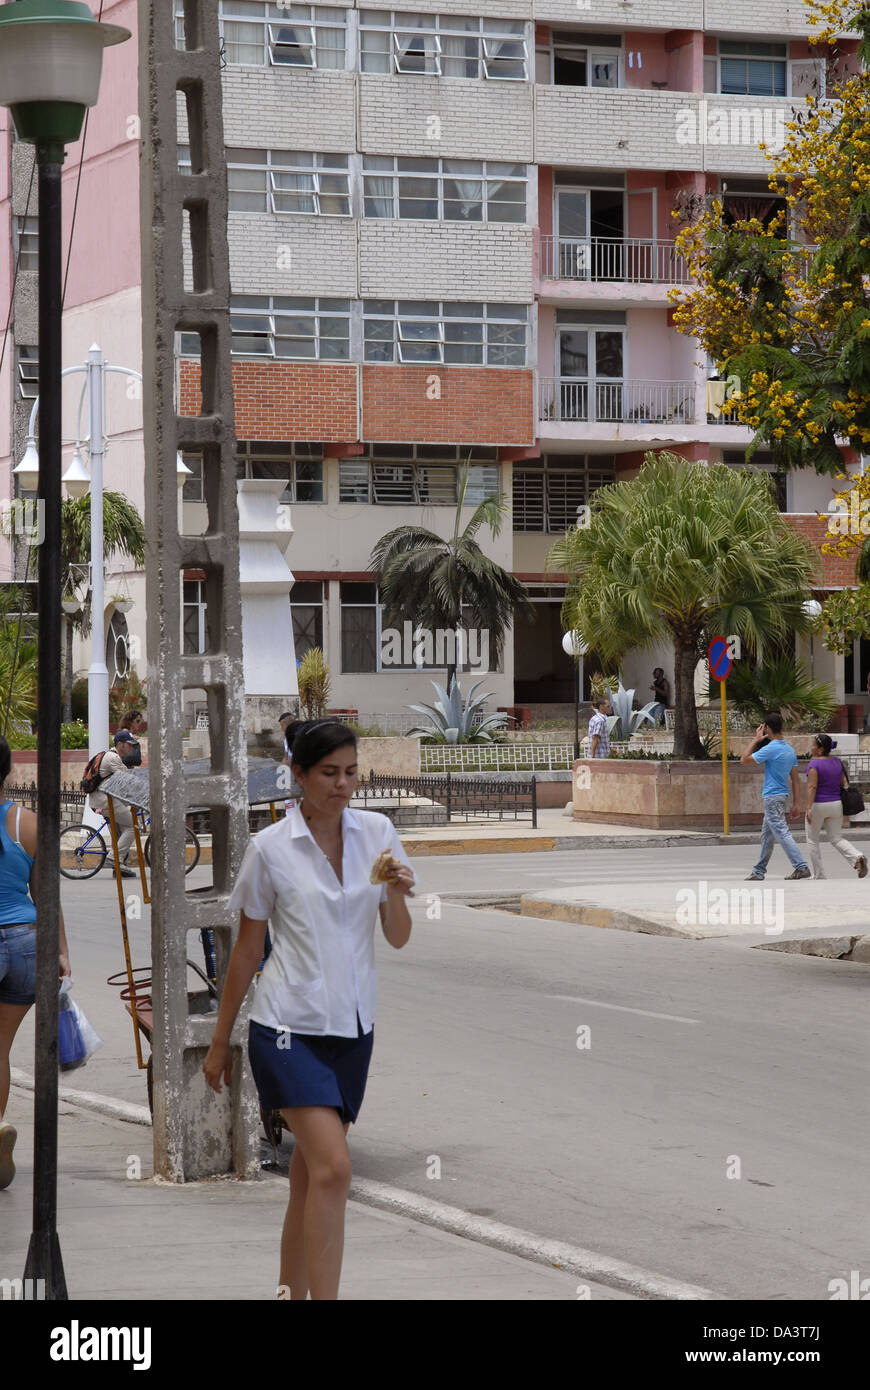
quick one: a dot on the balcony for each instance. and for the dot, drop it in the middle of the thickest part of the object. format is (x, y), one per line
(630, 260)
(563, 400)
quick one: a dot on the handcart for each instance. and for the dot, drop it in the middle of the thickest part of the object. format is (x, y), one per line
(131, 787)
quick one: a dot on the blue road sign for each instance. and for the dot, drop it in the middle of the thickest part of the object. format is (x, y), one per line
(719, 658)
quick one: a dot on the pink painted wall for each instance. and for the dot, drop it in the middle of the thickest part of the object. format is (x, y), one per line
(105, 257)
(650, 47)
(686, 62)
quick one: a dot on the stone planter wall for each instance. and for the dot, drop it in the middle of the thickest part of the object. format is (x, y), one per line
(73, 762)
(666, 795)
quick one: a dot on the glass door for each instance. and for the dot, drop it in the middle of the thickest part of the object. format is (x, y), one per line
(571, 222)
(591, 367)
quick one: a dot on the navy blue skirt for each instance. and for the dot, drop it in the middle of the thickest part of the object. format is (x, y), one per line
(303, 1069)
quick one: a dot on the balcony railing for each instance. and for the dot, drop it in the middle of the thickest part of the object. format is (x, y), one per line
(631, 259)
(617, 402)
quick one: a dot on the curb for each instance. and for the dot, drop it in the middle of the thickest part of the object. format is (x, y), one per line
(529, 843)
(586, 1263)
(575, 1259)
(90, 1100)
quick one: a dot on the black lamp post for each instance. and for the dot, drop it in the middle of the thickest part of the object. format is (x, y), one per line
(51, 56)
(573, 645)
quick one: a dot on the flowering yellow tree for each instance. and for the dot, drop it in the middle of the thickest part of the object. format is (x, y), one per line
(791, 318)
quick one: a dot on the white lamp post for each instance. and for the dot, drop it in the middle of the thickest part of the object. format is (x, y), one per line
(812, 608)
(573, 645)
(77, 483)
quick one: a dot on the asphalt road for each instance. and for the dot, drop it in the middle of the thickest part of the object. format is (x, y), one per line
(712, 1125)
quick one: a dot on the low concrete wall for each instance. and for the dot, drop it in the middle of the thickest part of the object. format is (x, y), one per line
(73, 762)
(397, 755)
(666, 795)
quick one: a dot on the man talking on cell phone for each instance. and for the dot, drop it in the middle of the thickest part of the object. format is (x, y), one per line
(779, 760)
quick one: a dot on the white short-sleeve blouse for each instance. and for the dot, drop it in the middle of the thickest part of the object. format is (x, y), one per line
(321, 971)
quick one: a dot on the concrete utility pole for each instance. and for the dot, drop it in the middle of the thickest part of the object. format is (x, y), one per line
(196, 1133)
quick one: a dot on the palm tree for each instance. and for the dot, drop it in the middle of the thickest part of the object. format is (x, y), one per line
(18, 662)
(685, 551)
(123, 534)
(434, 579)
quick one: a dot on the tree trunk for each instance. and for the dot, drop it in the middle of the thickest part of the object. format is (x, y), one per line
(687, 741)
(68, 674)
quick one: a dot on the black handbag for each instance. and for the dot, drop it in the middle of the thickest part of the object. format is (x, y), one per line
(853, 801)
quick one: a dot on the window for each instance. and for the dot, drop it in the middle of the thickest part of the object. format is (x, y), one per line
(763, 459)
(288, 181)
(193, 489)
(753, 69)
(306, 608)
(751, 198)
(359, 627)
(422, 475)
(193, 617)
(28, 373)
(300, 464)
(546, 496)
(27, 242)
(258, 34)
(581, 60)
(493, 335)
(452, 190)
(443, 45)
(294, 328)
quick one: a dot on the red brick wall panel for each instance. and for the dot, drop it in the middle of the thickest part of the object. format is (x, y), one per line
(837, 572)
(284, 400)
(448, 405)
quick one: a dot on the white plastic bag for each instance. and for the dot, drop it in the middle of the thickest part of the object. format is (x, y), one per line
(90, 1036)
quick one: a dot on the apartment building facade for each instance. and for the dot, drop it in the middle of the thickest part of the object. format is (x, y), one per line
(451, 242)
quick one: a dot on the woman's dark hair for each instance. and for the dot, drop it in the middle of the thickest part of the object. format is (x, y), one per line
(315, 739)
(128, 718)
(5, 759)
(825, 742)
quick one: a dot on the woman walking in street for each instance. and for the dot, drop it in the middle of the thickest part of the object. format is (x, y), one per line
(320, 877)
(825, 777)
(18, 904)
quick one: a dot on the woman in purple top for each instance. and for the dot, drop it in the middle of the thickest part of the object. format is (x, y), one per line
(825, 777)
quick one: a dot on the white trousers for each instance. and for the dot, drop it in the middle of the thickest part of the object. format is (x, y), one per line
(827, 814)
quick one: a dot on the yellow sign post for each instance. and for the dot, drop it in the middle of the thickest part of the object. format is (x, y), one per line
(724, 761)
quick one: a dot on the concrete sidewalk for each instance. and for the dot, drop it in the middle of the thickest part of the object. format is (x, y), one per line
(126, 1237)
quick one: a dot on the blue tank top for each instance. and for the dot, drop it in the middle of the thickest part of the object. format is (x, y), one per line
(16, 904)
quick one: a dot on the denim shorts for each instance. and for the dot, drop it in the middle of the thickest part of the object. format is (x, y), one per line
(17, 965)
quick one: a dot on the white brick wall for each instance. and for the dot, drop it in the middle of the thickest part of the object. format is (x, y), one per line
(772, 17)
(265, 109)
(430, 116)
(639, 129)
(639, 14)
(293, 255)
(445, 260)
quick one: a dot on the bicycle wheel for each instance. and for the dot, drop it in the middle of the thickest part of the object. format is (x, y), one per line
(191, 850)
(82, 851)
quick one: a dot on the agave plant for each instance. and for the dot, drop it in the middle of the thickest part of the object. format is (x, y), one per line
(628, 719)
(451, 720)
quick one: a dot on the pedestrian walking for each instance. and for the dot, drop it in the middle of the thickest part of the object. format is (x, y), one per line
(599, 738)
(825, 776)
(661, 688)
(18, 911)
(320, 877)
(779, 760)
(125, 752)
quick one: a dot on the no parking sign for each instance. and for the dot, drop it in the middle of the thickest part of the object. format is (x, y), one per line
(719, 661)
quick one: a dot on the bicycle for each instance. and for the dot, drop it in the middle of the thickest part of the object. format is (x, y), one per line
(83, 851)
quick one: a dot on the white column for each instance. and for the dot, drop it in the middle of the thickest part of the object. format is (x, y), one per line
(98, 674)
(266, 580)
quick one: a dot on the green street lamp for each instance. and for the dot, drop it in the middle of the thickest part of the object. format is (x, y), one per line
(51, 57)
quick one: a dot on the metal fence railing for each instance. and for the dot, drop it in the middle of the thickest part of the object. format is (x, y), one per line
(637, 260)
(462, 798)
(496, 757)
(616, 402)
(72, 798)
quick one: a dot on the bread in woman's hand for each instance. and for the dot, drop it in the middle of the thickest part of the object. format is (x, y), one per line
(385, 868)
